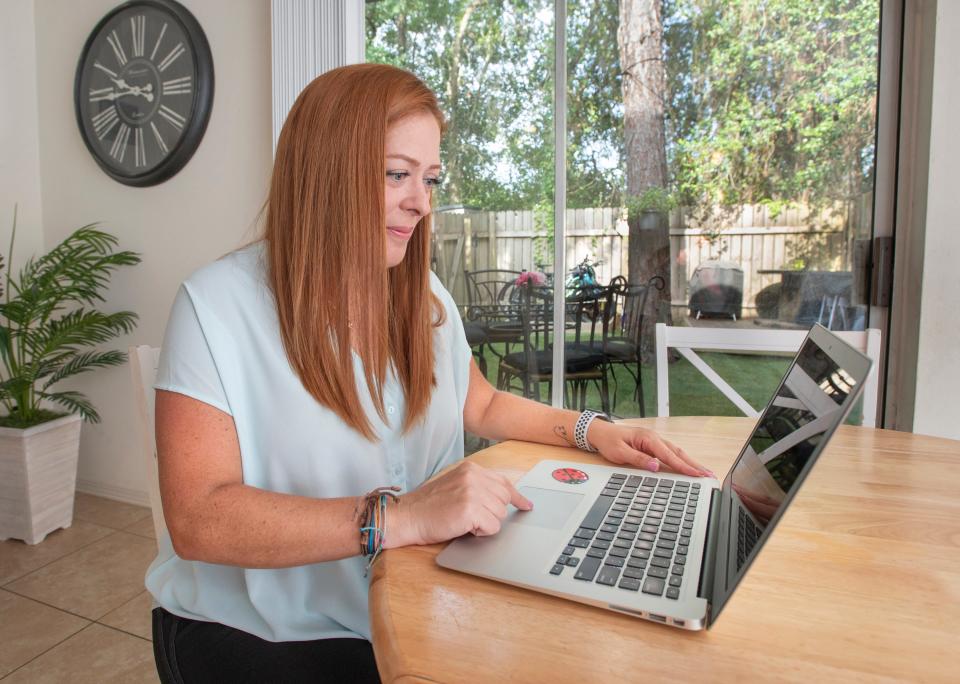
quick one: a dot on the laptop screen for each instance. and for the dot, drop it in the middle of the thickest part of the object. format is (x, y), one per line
(812, 400)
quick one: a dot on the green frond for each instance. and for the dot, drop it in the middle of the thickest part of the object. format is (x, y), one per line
(76, 270)
(75, 402)
(84, 362)
(77, 329)
(15, 386)
(45, 329)
(5, 341)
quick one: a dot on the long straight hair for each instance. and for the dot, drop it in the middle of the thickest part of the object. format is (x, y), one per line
(325, 237)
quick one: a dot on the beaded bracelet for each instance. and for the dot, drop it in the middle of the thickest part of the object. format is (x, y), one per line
(371, 511)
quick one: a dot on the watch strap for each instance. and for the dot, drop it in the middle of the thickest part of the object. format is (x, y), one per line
(582, 425)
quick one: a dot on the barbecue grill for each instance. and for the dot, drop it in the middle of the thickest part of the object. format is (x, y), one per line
(716, 289)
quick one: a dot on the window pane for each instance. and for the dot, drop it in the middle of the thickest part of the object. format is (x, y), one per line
(734, 142)
(720, 174)
(491, 65)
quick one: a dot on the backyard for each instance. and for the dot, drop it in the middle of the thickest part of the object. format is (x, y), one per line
(691, 394)
(755, 377)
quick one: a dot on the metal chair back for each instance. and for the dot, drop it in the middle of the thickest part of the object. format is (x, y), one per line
(628, 305)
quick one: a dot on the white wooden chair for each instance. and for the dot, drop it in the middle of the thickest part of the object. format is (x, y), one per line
(685, 340)
(143, 367)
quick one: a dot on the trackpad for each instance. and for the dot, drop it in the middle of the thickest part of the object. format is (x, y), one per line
(551, 509)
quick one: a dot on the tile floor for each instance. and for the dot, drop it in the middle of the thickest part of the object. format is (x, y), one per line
(73, 607)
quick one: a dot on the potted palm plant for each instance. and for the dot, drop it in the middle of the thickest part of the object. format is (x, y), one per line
(49, 328)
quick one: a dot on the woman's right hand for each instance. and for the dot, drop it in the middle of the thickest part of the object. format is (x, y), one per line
(468, 498)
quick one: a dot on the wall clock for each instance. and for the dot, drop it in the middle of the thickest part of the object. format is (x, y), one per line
(144, 90)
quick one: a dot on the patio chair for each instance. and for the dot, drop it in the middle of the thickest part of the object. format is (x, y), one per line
(476, 338)
(584, 363)
(686, 340)
(492, 314)
(623, 330)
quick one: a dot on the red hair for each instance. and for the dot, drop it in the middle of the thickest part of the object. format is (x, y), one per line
(326, 244)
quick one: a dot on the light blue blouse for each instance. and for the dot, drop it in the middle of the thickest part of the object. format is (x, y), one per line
(222, 346)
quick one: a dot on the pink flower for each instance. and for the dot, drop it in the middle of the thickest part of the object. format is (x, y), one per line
(536, 278)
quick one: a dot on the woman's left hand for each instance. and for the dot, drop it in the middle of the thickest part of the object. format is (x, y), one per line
(641, 448)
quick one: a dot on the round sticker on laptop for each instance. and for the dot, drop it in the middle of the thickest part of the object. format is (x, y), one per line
(570, 475)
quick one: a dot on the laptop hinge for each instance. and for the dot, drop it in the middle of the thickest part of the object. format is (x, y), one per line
(709, 561)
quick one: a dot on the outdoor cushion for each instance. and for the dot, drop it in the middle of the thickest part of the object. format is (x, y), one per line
(575, 361)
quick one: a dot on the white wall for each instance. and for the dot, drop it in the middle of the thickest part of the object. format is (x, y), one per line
(935, 409)
(204, 211)
(19, 134)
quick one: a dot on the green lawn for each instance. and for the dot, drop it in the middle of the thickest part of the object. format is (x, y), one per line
(691, 394)
(755, 377)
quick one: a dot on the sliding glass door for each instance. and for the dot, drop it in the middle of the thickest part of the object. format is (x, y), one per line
(719, 166)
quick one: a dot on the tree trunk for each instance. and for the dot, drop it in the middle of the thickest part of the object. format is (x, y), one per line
(644, 86)
(454, 173)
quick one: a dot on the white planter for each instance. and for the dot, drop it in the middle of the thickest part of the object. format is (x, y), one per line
(38, 477)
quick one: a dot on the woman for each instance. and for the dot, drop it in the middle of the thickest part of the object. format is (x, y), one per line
(315, 365)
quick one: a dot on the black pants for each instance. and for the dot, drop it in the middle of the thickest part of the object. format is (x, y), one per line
(189, 651)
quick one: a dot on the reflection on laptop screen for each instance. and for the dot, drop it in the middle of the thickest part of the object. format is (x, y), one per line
(808, 405)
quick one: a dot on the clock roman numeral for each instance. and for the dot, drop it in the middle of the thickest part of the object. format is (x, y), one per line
(156, 134)
(114, 41)
(102, 94)
(175, 119)
(171, 58)
(104, 121)
(177, 86)
(119, 147)
(139, 152)
(105, 70)
(157, 46)
(138, 29)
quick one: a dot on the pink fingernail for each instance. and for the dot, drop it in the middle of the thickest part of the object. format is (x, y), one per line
(653, 465)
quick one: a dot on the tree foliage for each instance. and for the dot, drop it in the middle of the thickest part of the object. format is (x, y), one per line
(771, 101)
(490, 63)
(767, 101)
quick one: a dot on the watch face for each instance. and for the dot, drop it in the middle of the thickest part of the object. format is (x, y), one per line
(143, 90)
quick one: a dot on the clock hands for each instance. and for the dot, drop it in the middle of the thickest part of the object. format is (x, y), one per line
(145, 92)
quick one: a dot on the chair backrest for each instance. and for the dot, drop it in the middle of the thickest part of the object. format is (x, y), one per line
(584, 313)
(685, 340)
(143, 369)
(535, 309)
(587, 313)
(628, 305)
(491, 286)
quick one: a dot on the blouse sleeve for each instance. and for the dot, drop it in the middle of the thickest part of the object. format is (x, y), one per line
(187, 365)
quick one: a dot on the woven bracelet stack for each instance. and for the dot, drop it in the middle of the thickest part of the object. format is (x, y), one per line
(372, 514)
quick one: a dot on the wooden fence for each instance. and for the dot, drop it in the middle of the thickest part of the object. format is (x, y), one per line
(751, 237)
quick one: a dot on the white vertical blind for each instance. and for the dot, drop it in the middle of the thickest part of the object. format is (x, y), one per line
(309, 37)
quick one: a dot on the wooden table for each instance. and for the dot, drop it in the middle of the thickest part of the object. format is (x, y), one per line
(860, 581)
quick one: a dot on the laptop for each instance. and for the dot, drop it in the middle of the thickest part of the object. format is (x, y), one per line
(664, 547)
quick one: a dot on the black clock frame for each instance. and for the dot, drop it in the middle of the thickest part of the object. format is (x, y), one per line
(199, 114)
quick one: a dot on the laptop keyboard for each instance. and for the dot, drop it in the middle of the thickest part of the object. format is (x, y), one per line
(635, 536)
(747, 535)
